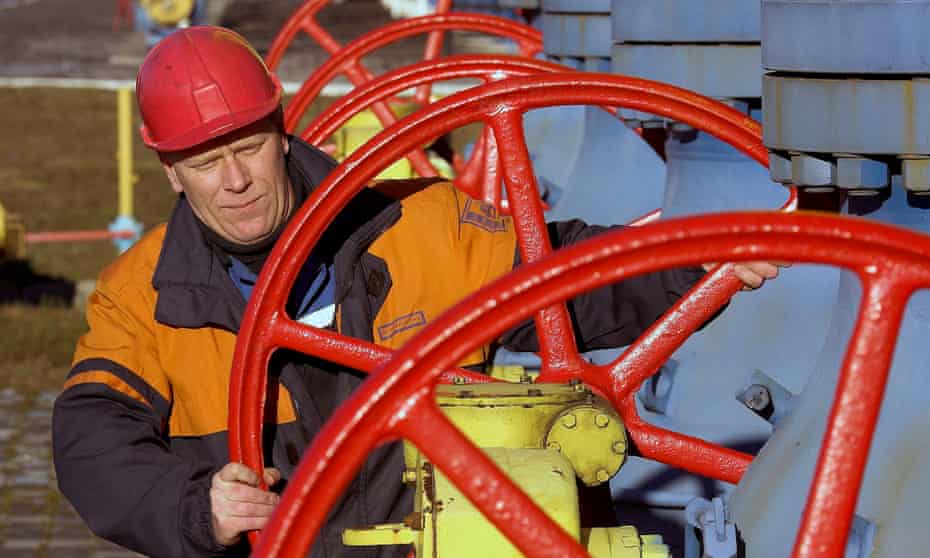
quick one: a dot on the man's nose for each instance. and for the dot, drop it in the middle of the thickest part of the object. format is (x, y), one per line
(237, 174)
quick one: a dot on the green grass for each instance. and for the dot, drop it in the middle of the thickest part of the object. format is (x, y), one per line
(58, 171)
(37, 343)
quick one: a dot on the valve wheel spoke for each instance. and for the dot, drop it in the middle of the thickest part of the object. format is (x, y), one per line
(350, 352)
(831, 502)
(433, 51)
(557, 346)
(681, 451)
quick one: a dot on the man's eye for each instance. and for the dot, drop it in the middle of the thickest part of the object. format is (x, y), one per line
(203, 165)
(250, 149)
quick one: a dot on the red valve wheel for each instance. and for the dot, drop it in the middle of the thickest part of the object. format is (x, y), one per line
(485, 67)
(528, 40)
(397, 401)
(474, 181)
(500, 105)
(304, 19)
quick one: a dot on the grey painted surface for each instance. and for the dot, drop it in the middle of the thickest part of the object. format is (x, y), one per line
(712, 70)
(686, 21)
(860, 116)
(878, 36)
(577, 6)
(576, 34)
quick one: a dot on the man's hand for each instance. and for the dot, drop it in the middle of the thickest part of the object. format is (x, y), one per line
(753, 274)
(237, 504)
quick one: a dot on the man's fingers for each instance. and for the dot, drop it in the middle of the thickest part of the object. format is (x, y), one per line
(750, 279)
(236, 502)
(272, 476)
(765, 270)
(234, 492)
(244, 509)
(236, 472)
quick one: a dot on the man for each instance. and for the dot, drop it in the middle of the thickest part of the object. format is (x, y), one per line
(140, 440)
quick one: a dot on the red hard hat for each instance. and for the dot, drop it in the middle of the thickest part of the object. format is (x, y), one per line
(200, 83)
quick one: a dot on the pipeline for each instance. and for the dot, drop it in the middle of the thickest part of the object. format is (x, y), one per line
(49, 237)
(337, 88)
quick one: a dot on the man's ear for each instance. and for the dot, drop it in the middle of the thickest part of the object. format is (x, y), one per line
(172, 175)
(285, 144)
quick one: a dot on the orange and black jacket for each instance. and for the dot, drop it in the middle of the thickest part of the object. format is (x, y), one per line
(141, 424)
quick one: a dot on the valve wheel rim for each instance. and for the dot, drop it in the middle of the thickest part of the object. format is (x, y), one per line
(475, 182)
(396, 402)
(528, 39)
(304, 19)
(266, 327)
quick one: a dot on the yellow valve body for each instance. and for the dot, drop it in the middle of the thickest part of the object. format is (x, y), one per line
(593, 440)
(542, 436)
(365, 125)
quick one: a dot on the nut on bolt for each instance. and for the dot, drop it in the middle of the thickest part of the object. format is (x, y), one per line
(757, 397)
(569, 421)
(602, 420)
(602, 475)
(553, 445)
(619, 447)
(409, 476)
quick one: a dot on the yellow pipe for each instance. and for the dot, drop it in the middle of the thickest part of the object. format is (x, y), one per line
(124, 150)
(2, 229)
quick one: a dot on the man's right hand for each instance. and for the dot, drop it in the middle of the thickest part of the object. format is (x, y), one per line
(237, 504)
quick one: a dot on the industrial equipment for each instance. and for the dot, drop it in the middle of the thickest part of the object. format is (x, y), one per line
(479, 104)
(477, 179)
(546, 438)
(528, 41)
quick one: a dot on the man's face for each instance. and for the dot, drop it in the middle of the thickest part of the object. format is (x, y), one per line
(236, 184)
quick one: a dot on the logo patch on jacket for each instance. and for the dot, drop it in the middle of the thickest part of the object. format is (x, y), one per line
(401, 324)
(483, 215)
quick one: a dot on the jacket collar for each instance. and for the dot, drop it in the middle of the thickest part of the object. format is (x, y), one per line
(194, 288)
